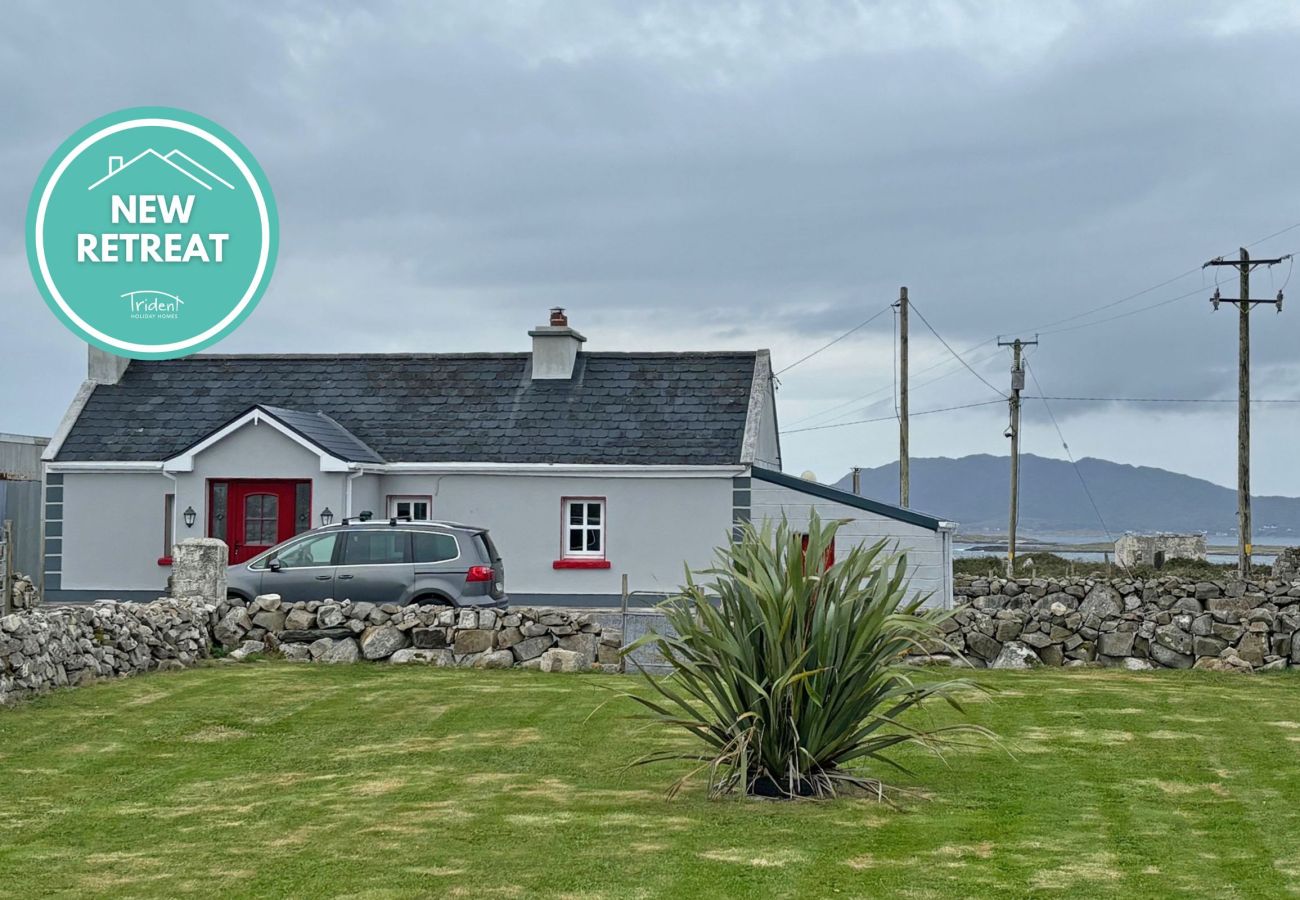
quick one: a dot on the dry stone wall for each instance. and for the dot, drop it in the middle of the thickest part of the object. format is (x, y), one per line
(1131, 623)
(1164, 622)
(45, 648)
(42, 648)
(25, 595)
(337, 632)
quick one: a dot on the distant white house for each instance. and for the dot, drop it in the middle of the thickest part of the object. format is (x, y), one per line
(586, 466)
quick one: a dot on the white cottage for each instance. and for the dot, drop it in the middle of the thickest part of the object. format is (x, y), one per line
(586, 466)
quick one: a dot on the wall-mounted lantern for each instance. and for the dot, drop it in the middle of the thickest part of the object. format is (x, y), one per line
(190, 515)
(326, 516)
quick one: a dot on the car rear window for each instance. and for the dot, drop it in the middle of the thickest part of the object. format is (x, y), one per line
(431, 546)
(489, 548)
(372, 548)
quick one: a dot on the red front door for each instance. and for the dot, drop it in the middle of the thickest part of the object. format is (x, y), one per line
(261, 515)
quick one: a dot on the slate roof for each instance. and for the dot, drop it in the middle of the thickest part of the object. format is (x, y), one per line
(619, 408)
(325, 433)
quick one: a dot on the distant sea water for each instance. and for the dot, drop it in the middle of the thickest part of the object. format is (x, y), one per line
(1225, 544)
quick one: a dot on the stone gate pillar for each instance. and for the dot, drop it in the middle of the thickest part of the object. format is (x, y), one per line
(199, 569)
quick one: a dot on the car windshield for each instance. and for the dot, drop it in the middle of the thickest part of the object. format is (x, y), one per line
(317, 550)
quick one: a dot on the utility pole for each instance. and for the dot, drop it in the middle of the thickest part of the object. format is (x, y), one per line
(857, 480)
(1243, 264)
(1013, 431)
(904, 453)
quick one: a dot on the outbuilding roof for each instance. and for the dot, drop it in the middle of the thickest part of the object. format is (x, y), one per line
(618, 408)
(834, 494)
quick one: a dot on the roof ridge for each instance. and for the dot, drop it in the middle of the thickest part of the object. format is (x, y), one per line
(512, 354)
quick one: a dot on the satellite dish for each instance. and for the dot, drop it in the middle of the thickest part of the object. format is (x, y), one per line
(808, 475)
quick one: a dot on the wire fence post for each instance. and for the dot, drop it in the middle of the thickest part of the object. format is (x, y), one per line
(622, 659)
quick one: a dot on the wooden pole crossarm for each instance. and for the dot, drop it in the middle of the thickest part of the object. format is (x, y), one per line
(1252, 302)
(1252, 264)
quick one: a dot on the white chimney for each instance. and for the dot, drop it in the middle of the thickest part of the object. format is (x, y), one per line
(103, 367)
(555, 347)
(114, 163)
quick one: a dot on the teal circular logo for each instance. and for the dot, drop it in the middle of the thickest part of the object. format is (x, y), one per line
(152, 233)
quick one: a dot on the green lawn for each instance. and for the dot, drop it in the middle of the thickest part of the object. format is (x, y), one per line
(371, 781)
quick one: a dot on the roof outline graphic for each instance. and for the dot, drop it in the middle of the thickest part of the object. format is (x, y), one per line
(166, 159)
(198, 165)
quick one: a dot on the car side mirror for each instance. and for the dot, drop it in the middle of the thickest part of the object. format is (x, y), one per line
(274, 565)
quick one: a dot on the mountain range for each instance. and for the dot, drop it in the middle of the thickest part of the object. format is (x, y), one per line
(972, 491)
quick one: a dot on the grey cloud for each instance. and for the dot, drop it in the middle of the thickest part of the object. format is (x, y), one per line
(753, 172)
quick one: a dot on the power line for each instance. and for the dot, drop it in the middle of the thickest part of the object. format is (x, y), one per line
(958, 356)
(1140, 309)
(864, 323)
(963, 362)
(1127, 313)
(943, 362)
(1155, 287)
(1270, 237)
(1158, 400)
(1144, 291)
(924, 412)
(1042, 329)
(1122, 315)
(916, 387)
(1066, 447)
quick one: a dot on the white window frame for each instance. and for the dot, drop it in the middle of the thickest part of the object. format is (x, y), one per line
(395, 499)
(566, 528)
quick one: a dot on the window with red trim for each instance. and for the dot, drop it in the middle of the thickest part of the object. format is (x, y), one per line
(582, 538)
(584, 527)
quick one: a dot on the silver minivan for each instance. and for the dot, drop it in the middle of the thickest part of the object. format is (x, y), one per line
(396, 561)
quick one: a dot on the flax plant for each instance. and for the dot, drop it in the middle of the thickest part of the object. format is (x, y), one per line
(788, 667)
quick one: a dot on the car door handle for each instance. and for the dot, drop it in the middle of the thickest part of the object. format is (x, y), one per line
(344, 577)
(325, 577)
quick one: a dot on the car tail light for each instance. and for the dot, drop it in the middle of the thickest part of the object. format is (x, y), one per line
(479, 573)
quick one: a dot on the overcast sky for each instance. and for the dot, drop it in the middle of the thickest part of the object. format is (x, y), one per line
(735, 175)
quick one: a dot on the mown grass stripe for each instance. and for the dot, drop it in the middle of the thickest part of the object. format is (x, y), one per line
(273, 779)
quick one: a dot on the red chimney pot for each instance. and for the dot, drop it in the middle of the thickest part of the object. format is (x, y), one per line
(558, 317)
